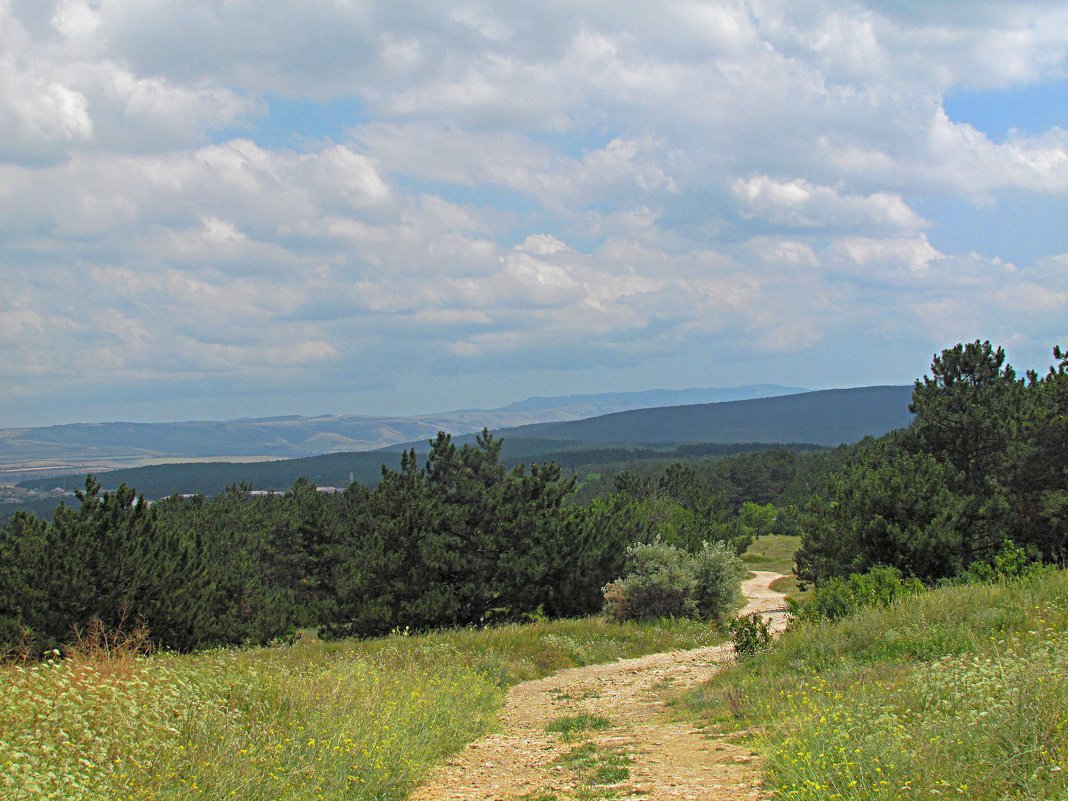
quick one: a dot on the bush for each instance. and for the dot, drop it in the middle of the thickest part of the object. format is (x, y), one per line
(1010, 562)
(718, 573)
(660, 582)
(751, 634)
(836, 598)
(665, 581)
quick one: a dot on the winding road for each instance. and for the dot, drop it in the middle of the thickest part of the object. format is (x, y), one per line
(668, 759)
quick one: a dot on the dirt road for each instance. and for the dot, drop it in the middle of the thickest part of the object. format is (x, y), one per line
(621, 745)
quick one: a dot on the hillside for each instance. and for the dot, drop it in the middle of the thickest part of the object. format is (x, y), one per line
(828, 417)
(825, 418)
(959, 692)
(97, 447)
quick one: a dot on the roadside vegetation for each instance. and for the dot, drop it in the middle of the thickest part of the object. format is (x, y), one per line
(354, 720)
(958, 692)
(458, 540)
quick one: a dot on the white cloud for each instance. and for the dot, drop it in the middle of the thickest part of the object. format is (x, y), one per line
(545, 186)
(542, 245)
(800, 204)
(914, 254)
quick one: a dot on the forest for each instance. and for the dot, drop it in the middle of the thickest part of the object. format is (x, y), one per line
(459, 539)
(462, 539)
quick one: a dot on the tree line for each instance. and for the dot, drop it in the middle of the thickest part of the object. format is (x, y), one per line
(457, 540)
(983, 468)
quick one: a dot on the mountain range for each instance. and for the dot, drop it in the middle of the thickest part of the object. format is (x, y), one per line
(97, 447)
(818, 419)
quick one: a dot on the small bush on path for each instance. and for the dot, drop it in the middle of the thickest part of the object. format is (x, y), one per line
(665, 581)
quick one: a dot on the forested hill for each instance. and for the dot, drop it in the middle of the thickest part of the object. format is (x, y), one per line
(98, 447)
(336, 469)
(827, 417)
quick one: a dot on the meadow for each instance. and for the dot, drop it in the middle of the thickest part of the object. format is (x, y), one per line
(315, 720)
(961, 692)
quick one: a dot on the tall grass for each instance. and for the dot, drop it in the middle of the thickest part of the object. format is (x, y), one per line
(960, 692)
(353, 720)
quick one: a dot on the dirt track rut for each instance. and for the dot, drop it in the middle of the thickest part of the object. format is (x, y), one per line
(670, 760)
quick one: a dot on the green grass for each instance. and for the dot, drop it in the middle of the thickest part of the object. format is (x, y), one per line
(352, 720)
(773, 552)
(960, 692)
(596, 767)
(570, 726)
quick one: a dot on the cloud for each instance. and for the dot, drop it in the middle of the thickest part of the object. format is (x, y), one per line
(800, 204)
(913, 255)
(576, 189)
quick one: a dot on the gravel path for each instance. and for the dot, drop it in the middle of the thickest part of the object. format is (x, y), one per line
(669, 760)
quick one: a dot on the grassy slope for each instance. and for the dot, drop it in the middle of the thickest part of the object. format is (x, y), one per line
(959, 692)
(353, 720)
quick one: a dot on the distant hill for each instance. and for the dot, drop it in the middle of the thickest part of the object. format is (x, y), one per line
(82, 447)
(582, 406)
(827, 417)
(337, 469)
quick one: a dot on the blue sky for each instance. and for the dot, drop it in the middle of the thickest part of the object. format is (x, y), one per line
(228, 209)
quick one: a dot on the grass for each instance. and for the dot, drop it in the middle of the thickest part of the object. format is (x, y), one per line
(569, 727)
(773, 552)
(960, 692)
(598, 773)
(347, 720)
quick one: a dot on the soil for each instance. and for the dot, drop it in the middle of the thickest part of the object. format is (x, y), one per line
(669, 760)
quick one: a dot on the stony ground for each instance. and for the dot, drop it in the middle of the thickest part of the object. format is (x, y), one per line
(623, 745)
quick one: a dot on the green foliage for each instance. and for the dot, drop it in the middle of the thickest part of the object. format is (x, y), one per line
(750, 634)
(678, 508)
(985, 461)
(759, 519)
(967, 411)
(888, 507)
(463, 541)
(955, 692)
(718, 575)
(836, 598)
(659, 583)
(108, 560)
(1008, 563)
(665, 581)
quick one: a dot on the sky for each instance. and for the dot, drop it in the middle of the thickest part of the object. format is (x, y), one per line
(213, 209)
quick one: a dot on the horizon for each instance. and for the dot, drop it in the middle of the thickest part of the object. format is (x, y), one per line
(213, 211)
(314, 416)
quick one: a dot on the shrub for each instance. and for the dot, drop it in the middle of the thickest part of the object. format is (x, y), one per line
(660, 582)
(718, 575)
(750, 634)
(836, 598)
(1011, 561)
(665, 581)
